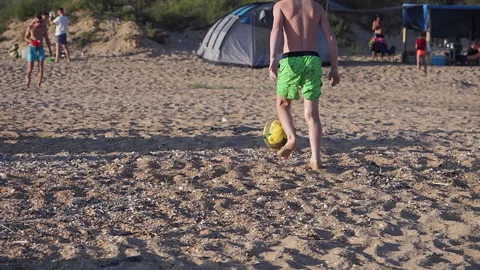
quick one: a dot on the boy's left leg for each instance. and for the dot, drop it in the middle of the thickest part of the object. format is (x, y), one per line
(67, 52)
(40, 74)
(314, 131)
(311, 92)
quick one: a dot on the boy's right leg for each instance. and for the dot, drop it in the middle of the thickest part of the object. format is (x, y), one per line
(284, 106)
(29, 72)
(57, 52)
(314, 131)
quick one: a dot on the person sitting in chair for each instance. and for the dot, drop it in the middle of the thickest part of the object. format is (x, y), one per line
(473, 53)
(379, 45)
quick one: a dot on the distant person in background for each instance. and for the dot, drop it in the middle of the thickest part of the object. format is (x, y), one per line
(45, 18)
(379, 27)
(35, 35)
(421, 48)
(61, 23)
(473, 53)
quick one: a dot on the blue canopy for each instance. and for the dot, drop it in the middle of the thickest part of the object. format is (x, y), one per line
(445, 20)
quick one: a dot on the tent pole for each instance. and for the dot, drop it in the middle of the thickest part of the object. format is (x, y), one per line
(429, 34)
(404, 48)
(472, 25)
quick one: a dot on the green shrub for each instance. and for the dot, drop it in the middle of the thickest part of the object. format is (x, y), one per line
(97, 5)
(179, 14)
(154, 34)
(85, 38)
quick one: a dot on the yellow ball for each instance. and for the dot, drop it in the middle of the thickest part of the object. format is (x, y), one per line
(274, 135)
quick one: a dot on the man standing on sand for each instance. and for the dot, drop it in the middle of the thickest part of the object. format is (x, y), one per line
(61, 23)
(296, 24)
(473, 53)
(34, 35)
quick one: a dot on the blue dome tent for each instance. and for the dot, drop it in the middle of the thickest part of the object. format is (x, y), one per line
(242, 37)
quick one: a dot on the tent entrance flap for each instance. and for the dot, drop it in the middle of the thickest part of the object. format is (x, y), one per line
(445, 20)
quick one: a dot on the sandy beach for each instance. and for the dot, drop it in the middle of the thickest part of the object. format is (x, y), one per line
(142, 162)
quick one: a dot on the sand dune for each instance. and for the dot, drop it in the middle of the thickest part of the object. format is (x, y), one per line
(128, 163)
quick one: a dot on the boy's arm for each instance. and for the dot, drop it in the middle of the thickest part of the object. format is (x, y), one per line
(55, 21)
(276, 38)
(332, 46)
(27, 35)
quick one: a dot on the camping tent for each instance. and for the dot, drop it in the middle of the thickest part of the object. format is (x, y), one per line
(242, 37)
(443, 21)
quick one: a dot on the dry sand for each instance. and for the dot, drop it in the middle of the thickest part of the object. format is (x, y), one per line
(144, 162)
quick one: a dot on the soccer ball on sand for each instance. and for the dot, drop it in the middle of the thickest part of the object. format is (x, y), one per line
(274, 135)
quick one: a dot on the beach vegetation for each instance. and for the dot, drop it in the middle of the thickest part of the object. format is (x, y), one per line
(176, 15)
(199, 85)
(85, 38)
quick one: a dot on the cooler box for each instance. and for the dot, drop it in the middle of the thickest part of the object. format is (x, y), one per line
(24, 53)
(439, 60)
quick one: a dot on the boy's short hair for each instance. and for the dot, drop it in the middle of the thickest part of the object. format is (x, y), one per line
(60, 9)
(45, 13)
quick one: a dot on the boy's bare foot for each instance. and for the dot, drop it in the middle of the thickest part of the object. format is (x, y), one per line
(287, 149)
(314, 165)
(28, 83)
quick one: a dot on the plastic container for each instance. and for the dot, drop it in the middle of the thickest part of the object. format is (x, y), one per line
(438, 60)
(24, 53)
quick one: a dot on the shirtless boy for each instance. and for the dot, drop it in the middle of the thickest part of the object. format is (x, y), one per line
(34, 35)
(296, 23)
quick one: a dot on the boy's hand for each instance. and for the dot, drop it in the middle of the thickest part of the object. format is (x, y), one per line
(273, 72)
(333, 74)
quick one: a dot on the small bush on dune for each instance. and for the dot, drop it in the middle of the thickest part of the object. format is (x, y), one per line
(97, 5)
(178, 14)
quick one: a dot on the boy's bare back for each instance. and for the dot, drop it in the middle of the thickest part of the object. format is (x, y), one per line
(300, 24)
